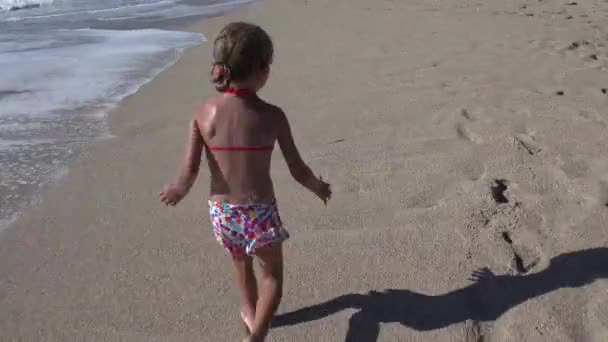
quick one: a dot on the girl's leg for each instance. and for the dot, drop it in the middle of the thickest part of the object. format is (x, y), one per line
(271, 289)
(245, 278)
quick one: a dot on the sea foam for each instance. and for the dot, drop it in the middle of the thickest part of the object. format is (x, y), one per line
(55, 88)
(19, 4)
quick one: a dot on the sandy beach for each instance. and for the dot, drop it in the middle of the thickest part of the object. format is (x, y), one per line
(458, 136)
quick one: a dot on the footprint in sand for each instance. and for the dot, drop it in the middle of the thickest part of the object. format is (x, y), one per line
(472, 331)
(498, 191)
(509, 222)
(573, 46)
(518, 262)
(464, 132)
(465, 114)
(524, 259)
(526, 143)
(577, 44)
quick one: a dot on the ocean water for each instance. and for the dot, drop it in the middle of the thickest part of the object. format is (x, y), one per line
(63, 66)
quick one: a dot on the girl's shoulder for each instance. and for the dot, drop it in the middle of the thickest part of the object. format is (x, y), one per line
(209, 107)
(272, 109)
(204, 112)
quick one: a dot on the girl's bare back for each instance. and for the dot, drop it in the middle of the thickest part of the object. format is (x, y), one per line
(239, 133)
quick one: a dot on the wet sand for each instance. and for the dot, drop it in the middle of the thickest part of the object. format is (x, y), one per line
(457, 136)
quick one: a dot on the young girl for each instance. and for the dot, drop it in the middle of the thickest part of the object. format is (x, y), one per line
(237, 131)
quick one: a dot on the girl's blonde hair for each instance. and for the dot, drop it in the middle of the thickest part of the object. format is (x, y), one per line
(239, 52)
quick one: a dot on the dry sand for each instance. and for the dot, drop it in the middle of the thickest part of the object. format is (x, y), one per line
(457, 135)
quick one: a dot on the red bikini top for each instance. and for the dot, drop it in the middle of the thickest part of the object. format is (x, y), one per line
(240, 92)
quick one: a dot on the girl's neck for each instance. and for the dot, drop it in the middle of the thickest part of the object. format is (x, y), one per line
(240, 91)
(248, 86)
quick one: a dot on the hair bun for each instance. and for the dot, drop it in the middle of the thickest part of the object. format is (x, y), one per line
(220, 76)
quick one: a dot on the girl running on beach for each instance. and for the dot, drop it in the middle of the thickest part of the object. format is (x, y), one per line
(237, 131)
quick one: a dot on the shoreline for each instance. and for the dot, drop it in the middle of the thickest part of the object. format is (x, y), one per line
(456, 137)
(91, 121)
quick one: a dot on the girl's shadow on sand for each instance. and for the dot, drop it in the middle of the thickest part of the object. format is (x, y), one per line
(485, 300)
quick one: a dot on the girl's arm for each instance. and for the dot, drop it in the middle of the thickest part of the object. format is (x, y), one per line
(297, 167)
(175, 192)
(192, 160)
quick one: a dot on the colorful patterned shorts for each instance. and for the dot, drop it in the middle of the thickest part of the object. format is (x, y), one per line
(241, 229)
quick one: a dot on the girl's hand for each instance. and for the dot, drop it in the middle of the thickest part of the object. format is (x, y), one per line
(172, 194)
(323, 191)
